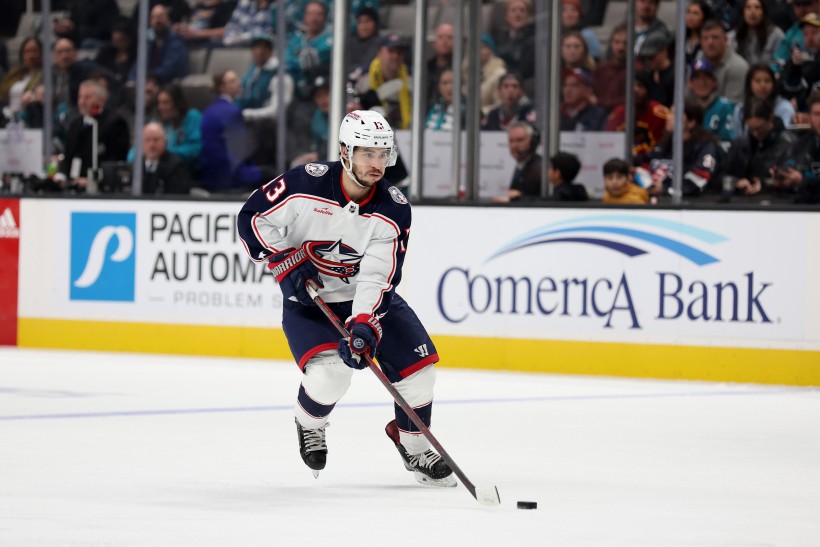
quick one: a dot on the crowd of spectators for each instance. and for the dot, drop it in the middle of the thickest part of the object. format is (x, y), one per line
(751, 73)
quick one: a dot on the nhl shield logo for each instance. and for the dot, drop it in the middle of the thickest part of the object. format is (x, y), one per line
(316, 169)
(397, 196)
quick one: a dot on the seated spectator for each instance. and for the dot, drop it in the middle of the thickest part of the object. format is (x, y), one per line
(564, 167)
(440, 116)
(572, 20)
(756, 36)
(118, 56)
(703, 156)
(794, 35)
(88, 22)
(655, 57)
(364, 44)
(163, 172)
(319, 123)
(698, 12)
(516, 43)
(802, 70)
(729, 67)
(513, 105)
(609, 77)
(762, 83)
(650, 117)
(578, 113)
(178, 10)
(523, 139)
(574, 53)
(308, 54)
(763, 147)
(389, 78)
(24, 78)
(618, 185)
(181, 125)
(225, 147)
(33, 104)
(441, 60)
(207, 24)
(249, 18)
(804, 175)
(647, 23)
(68, 73)
(259, 99)
(167, 53)
(492, 69)
(718, 111)
(113, 138)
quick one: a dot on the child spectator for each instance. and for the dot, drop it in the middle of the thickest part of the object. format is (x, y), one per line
(564, 167)
(718, 111)
(618, 185)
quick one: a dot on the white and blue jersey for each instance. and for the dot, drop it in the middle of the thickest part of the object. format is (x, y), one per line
(359, 250)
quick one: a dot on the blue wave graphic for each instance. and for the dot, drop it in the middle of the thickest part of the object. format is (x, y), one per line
(545, 235)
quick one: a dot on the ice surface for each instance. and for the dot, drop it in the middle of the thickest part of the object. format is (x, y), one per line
(101, 449)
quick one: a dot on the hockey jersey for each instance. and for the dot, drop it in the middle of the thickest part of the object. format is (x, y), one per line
(358, 248)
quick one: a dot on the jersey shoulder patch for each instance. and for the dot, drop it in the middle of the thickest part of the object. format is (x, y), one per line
(397, 196)
(316, 169)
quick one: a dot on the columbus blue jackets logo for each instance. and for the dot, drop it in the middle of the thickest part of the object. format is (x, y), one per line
(397, 196)
(334, 258)
(316, 169)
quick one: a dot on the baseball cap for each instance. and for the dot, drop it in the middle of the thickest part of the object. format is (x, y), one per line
(261, 37)
(393, 40)
(579, 74)
(702, 65)
(811, 19)
(652, 44)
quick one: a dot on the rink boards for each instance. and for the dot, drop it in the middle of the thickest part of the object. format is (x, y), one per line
(712, 295)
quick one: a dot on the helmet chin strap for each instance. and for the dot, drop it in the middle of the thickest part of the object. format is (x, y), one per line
(349, 168)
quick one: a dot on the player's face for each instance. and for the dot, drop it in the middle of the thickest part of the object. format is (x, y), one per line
(369, 164)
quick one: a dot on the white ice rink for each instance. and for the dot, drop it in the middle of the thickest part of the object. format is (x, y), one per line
(135, 450)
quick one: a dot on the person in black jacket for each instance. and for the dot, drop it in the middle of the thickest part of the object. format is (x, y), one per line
(112, 136)
(523, 139)
(801, 171)
(764, 146)
(163, 172)
(564, 167)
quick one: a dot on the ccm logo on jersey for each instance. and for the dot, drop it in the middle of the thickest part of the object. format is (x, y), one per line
(323, 211)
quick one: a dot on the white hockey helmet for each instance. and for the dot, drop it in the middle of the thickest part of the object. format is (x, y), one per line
(366, 128)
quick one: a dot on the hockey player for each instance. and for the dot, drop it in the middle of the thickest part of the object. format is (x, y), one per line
(342, 225)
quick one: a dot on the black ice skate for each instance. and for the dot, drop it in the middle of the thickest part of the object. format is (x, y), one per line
(427, 467)
(312, 447)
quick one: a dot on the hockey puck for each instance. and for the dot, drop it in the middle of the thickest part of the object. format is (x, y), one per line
(527, 505)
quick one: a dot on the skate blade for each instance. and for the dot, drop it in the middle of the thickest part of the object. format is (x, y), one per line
(447, 482)
(315, 473)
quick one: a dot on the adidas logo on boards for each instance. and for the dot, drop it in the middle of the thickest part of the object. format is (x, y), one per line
(8, 226)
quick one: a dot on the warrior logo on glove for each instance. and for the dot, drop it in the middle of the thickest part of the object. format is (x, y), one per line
(334, 258)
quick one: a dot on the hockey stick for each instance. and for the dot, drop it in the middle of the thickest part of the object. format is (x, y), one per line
(487, 495)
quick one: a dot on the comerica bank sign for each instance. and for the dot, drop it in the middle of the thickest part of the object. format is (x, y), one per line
(658, 270)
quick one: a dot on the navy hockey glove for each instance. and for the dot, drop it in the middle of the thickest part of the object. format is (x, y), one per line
(292, 270)
(365, 334)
